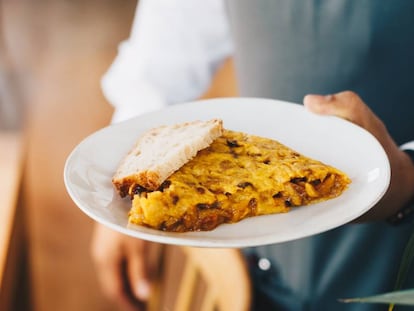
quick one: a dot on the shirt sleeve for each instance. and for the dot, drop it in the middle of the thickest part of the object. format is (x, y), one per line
(173, 51)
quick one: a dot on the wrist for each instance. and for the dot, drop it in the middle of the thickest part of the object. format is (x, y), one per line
(406, 213)
(408, 148)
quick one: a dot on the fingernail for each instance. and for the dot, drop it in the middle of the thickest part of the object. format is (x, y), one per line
(309, 99)
(317, 103)
(142, 290)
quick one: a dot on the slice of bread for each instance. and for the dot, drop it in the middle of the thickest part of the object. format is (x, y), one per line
(161, 151)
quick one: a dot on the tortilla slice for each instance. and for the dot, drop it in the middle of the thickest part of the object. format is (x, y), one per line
(237, 176)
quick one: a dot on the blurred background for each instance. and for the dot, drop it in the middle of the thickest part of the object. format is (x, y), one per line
(52, 57)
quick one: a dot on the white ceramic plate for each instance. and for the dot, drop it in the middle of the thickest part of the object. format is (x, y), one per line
(90, 166)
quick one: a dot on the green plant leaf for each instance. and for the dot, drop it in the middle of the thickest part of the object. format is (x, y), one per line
(403, 297)
(405, 264)
(396, 297)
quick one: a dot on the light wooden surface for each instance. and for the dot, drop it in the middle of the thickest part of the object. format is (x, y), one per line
(226, 276)
(202, 279)
(10, 179)
(11, 229)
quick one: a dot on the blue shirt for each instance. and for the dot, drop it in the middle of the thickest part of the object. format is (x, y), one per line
(286, 49)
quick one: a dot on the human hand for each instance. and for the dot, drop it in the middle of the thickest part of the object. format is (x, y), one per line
(125, 267)
(350, 106)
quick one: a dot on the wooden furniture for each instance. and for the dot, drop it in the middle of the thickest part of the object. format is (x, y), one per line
(11, 224)
(202, 279)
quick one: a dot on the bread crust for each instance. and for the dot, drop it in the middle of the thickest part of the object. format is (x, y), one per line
(161, 151)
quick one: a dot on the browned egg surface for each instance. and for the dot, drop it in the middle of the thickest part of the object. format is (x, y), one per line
(237, 176)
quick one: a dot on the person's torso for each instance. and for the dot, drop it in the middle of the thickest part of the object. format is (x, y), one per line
(286, 49)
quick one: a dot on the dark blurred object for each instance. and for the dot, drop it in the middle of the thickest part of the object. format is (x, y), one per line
(11, 109)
